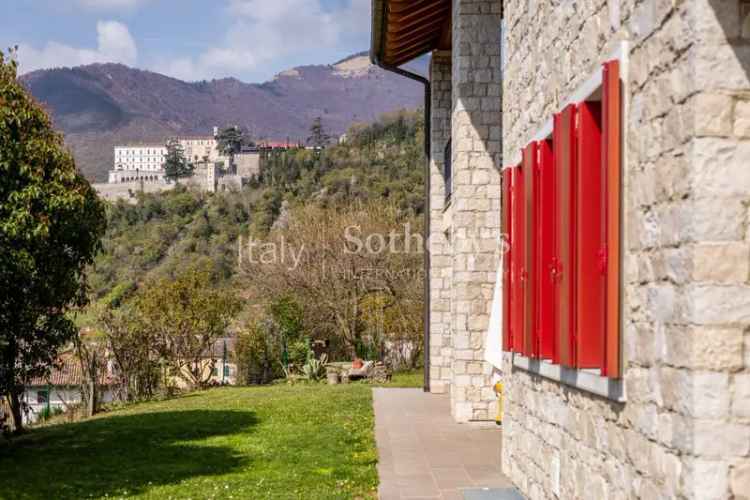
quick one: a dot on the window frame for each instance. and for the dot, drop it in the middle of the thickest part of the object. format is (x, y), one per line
(605, 380)
(43, 397)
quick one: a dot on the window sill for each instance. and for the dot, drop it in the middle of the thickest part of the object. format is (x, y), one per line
(585, 380)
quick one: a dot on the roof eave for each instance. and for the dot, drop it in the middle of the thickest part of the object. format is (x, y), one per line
(403, 30)
(378, 29)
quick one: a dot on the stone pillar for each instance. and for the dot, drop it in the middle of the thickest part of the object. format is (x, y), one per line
(441, 262)
(476, 123)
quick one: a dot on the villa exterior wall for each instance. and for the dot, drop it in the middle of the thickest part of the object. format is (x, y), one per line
(474, 213)
(684, 429)
(441, 253)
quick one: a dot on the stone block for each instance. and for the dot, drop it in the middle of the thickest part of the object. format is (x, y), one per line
(722, 262)
(720, 439)
(706, 348)
(720, 66)
(739, 480)
(705, 479)
(718, 219)
(719, 305)
(713, 114)
(474, 368)
(677, 390)
(720, 168)
(742, 119)
(741, 396)
(710, 395)
(439, 386)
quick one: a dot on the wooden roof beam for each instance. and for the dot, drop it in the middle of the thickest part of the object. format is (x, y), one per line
(446, 37)
(437, 16)
(417, 33)
(401, 6)
(409, 53)
(418, 10)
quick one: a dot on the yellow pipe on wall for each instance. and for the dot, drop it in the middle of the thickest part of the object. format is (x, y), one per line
(499, 392)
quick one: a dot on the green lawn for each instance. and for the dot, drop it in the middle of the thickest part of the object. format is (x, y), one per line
(414, 378)
(281, 441)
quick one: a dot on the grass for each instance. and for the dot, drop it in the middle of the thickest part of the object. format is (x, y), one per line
(273, 442)
(413, 378)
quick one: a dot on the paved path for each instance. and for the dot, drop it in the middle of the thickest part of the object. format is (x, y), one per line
(423, 453)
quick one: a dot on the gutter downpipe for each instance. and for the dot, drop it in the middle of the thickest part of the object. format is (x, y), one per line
(427, 151)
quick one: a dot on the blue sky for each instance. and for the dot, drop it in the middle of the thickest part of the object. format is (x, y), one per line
(188, 39)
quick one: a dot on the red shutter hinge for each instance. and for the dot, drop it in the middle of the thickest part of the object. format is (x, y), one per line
(603, 260)
(556, 271)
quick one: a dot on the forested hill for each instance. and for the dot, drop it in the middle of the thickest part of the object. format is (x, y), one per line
(101, 105)
(163, 233)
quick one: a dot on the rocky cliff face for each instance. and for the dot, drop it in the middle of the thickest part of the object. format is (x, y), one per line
(101, 105)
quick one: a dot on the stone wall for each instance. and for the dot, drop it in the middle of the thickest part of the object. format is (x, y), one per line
(684, 430)
(247, 164)
(475, 209)
(441, 260)
(127, 190)
(717, 300)
(118, 176)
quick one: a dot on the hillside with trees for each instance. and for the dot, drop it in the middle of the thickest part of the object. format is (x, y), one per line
(320, 292)
(102, 105)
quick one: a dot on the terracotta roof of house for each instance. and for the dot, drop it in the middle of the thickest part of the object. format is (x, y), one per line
(403, 30)
(67, 373)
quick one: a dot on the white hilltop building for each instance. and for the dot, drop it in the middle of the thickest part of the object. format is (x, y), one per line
(136, 162)
(140, 167)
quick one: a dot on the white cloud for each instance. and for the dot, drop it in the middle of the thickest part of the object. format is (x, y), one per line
(114, 44)
(111, 4)
(265, 30)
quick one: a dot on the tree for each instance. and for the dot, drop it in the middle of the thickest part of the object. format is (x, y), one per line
(230, 141)
(176, 166)
(129, 342)
(186, 315)
(51, 223)
(258, 352)
(92, 361)
(319, 138)
(355, 271)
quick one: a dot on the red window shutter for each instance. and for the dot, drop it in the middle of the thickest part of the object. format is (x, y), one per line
(545, 253)
(507, 248)
(590, 264)
(565, 170)
(531, 178)
(517, 278)
(611, 154)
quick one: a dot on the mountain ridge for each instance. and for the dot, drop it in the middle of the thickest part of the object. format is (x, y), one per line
(100, 105)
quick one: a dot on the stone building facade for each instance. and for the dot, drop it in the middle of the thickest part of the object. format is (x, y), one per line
(139, 157)
(676, 424)
(465, 223)
(120, 176)
(247, 163)
(475, 204)
(441, 254)
(682, 429)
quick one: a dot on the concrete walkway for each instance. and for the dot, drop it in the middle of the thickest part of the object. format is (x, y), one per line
(423, 453)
